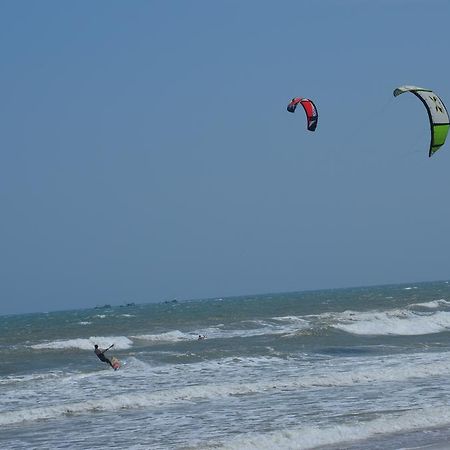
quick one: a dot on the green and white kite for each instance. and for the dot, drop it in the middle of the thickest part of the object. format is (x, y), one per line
(437, 113)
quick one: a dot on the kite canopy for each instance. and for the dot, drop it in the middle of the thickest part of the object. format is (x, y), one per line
(437, 113)
(310, 109)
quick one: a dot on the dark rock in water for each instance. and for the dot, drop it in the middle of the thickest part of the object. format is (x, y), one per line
(128, 305)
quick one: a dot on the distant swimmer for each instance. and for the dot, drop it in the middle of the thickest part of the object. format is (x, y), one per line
(201, 337)
(101, 354)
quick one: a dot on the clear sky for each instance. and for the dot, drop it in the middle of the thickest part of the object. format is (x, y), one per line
(146, 152)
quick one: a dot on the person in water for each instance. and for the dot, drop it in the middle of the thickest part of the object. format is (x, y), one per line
(101, 354)
(201, 337)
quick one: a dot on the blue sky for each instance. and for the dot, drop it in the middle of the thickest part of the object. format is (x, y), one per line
(147, 154)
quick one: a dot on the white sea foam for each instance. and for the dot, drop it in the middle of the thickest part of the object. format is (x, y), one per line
(170, 336)
(14, 379)
(394, 322)
(292, 319)
(275, 325)
(123, 401)
(433, 304)
(414, 366)
(120, 343)
(308, 437)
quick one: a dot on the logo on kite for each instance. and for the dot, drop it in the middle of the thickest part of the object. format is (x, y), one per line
(437, 114)
(312, 116)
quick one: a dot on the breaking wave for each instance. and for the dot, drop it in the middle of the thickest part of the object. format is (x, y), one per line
(303, 438)
(120, 343)
(396, 322)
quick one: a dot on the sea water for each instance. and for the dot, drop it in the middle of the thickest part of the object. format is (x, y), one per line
(335, 369)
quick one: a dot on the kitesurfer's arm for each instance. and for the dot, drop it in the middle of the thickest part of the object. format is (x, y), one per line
(104, 351)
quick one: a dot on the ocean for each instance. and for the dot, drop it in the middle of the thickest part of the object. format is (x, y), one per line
(360, 368)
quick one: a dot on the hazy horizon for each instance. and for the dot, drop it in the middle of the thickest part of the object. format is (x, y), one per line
(137, 302)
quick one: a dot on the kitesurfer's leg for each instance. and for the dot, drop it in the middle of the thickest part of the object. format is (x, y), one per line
(106, 360)
(109, 362)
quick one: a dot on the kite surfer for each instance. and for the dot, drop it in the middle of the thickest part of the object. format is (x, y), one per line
(101, 354)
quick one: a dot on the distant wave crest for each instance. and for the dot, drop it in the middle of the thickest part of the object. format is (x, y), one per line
(399, 322)
(120, 343)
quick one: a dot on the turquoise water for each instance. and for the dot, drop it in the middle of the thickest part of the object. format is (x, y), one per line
(348, 368)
